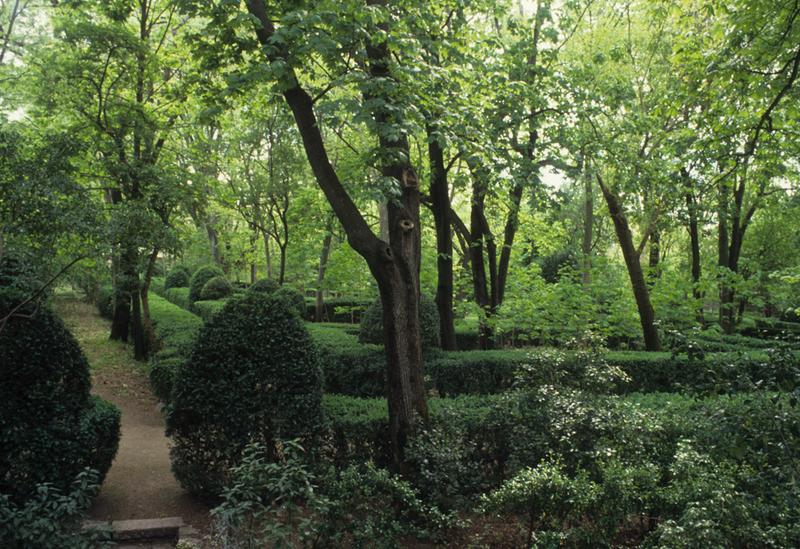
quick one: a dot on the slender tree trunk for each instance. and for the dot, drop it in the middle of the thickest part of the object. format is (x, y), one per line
(267, 254)
(654, 257)
(440, 206)
(147, 322)
(509, 232)
(479, 278)
(319, 305)
(694, 240)
(725, 290)
(635, 273)
(213, 243)
(282, 271)
(588, 226)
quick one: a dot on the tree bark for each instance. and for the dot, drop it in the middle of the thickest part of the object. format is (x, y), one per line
(147, 322)
(588, 225)
(319, 305)
(694, 241)
(440, 206)
(476, 251)
(635, 273)
(395, 265)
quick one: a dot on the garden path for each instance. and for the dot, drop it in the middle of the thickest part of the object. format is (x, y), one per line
(140, 483)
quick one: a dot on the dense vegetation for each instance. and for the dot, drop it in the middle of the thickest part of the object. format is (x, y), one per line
(456, 271)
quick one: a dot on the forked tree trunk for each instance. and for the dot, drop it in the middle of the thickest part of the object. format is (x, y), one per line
(635, 272)
(395, 265)
(440, 206)
(694, 241)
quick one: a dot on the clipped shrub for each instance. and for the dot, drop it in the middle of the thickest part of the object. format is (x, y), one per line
(216, 288)
(178, 277)
(175, 327)
(252, 376)
(105, 302)
(372, 323)
(179, 297)
(162, 376)
(199, 279)
(207, 309)
(293, 298)
(264, 285)
(50, 428)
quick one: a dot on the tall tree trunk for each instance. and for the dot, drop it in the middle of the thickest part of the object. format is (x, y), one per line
(509, 232)
(213, 243)
(282, 269)
(588, 225)
(694, 241)
(476, 252)
(319, 305)
(635, 273)
(147, 322)
(654, 257)
(395, 265)
(267, 254)
(726, 296)
(440, 206)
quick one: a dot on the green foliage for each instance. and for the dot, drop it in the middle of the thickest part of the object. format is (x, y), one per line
(252, 376)
(199, 279)
(264, 285)
(178, 296)
(178, 277)
(293, 298)
(207, 309)
(216, 288)
(349, 367)
(105, 302)
(52, 516)
(50, 428)
(372, 323)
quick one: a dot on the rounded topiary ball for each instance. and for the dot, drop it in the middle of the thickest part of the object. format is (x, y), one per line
(253, 375)
(199, 279)
(178, 277)
(264, 285)
(371, 328)
(50, 428)
(216, 288)
(295, 299)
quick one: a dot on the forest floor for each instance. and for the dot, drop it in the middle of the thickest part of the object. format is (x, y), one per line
(140, 483)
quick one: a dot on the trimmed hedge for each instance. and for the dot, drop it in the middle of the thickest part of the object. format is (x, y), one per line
(176, 330)
(349, 367)
(178, 277)
(199, 279)
(372, 323)
(216, 288)
(293, 298)
(344, 310)
(50, 427)
(253, 375)
(207, 309)
(264, 285)
(105, 302)
(179, 297)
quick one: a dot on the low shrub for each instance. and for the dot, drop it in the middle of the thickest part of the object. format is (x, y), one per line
(179, 297)
(216, 288)
(349, 367)
(344, 310)
(372, 323)
(52, 517)
(175, 327)
(199, 279)
(252, 376)
(162, 376)
(178, 277)
(50, 427)
(293, 298)
(105, 302)
(264, 285)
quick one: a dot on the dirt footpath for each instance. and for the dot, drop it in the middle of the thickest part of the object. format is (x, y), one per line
(139, 484)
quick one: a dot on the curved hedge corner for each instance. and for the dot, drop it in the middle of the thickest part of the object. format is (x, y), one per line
(50, 428)
(372, 323)
(253, 376)
(199, 280)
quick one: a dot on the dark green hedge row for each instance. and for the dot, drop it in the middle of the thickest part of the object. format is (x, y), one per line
(770, 328)
(176, 330)
(359, 370)
(338, 310)
(178, 296)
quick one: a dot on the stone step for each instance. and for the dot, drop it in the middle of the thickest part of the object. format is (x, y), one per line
(129, 533)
